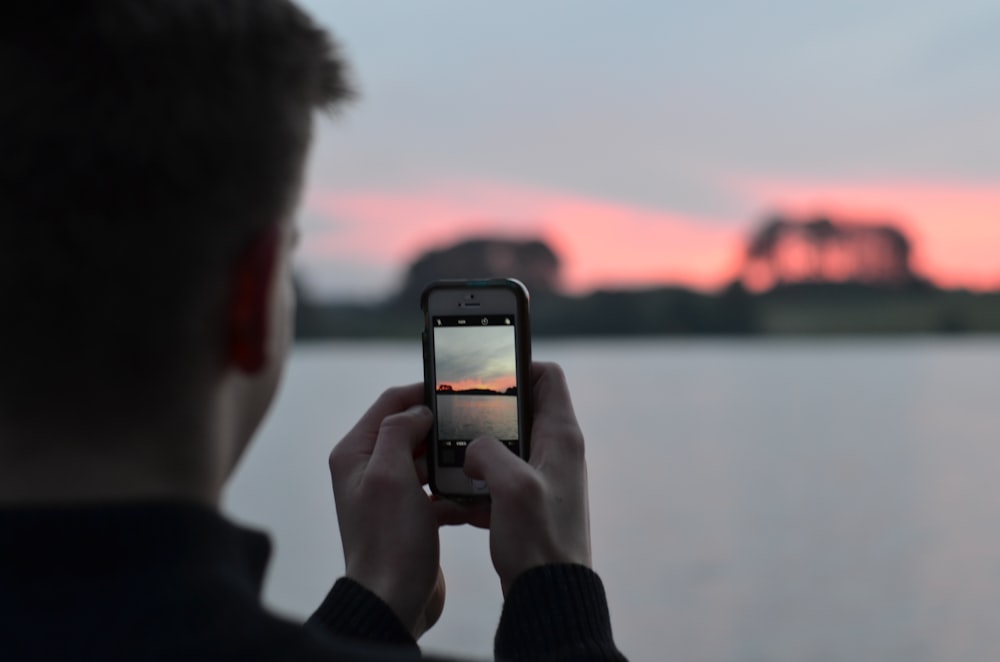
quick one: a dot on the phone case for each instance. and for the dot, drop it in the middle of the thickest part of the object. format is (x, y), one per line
(524, 365)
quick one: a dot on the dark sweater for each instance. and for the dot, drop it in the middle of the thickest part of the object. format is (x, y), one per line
(179, 582)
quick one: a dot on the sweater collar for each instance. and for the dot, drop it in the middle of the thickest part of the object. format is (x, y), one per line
(173, 537)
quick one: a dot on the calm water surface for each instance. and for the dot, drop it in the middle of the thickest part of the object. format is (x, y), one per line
(469, 416)
(750, 500)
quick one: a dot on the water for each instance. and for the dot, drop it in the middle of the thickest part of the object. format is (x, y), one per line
(469, 416)
(750, 500)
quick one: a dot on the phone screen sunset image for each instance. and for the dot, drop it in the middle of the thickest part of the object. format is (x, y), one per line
(476, 382)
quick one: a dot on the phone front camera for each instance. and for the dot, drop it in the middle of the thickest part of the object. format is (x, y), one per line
(486, 321)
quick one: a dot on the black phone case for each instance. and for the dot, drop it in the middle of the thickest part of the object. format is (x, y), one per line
(524, 367)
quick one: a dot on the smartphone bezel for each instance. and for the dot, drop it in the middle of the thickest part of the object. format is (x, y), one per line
(506, 296)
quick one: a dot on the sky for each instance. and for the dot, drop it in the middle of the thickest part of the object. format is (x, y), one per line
(475, 357)
(646, 140)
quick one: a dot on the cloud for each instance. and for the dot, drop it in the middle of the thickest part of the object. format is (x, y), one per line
(475, 356)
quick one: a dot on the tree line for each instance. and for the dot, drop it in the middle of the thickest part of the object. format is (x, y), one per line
(799, 276)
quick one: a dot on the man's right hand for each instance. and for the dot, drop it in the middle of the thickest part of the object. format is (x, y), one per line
(388, 524)
(538, 513)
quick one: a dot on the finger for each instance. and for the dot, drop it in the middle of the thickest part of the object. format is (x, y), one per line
(399, 437)
(555, 432)
(452, 513)
(553, 404)
(488, 459)
(362, 437)
(420, 463)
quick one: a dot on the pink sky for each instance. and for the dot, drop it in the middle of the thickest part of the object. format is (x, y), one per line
(499, 385)
(955, 227)
(600, 242)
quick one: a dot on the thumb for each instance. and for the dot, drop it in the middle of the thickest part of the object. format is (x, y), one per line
(488, 459)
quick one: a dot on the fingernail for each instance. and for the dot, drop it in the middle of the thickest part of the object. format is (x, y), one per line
(420, 410)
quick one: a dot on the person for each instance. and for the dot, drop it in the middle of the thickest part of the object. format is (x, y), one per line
(151, 156)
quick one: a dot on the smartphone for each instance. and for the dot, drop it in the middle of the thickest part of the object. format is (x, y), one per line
(477, 374)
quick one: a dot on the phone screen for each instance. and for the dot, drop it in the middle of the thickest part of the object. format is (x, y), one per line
(475, 390)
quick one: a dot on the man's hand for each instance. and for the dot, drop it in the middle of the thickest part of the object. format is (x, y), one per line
(387, 522)
(539, 513)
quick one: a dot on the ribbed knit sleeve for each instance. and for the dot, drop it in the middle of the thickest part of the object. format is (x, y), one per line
(352, 611)
(556, 612)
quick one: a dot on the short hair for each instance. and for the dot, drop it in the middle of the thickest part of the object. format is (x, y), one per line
(143, 143)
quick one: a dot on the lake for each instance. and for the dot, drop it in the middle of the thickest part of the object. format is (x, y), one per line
(469, 416)
(751, 500)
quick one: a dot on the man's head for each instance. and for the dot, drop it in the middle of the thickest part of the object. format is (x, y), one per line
(146, 148)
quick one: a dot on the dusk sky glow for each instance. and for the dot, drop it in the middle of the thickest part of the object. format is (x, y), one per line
(476, 357)
(646, 140)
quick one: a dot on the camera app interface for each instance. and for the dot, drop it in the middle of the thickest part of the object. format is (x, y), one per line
(475, 365)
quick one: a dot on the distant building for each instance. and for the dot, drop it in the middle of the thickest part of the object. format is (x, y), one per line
(820, 250)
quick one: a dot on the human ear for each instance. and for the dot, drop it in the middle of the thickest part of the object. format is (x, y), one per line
(249, 303)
